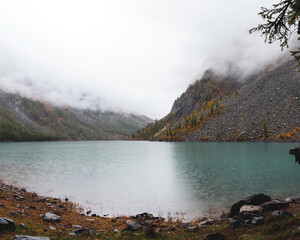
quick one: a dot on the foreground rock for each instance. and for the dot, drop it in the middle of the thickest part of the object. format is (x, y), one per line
(282, 214)
(132, 227)
(7, 224)
(256, 200)
(274, 205)
(144, 225)
(247, 211)
(259, 220)
(21, 237)
(51, 217)
(293, 200)
(296, 153)
(77, 229)
(215, 236)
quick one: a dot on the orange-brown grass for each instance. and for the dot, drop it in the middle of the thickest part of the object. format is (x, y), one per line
(289, 135)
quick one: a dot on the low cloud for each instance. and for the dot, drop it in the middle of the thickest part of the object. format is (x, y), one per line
(134, 56)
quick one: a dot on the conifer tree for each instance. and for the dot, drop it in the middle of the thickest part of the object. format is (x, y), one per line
(265, 129)
(281, 22)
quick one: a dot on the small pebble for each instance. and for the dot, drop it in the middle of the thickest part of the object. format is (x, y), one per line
(52, 228)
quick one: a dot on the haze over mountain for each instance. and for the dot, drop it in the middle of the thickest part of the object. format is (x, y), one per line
(24, 119)
(229, 107)
(134, 56)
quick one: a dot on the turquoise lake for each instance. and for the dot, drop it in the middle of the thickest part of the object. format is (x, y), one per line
(168, 179)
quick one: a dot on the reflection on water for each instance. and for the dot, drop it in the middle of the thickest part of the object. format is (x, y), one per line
(118, 177)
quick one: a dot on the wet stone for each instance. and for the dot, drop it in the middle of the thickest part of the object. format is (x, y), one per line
(22, 237)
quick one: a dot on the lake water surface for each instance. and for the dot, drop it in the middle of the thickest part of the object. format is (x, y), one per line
(128, 177)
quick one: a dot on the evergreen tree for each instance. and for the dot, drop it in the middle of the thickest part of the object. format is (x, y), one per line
(281, 22)
(265, 129)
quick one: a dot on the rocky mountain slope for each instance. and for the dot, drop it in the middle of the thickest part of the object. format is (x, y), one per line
(263, 106)
(23, 119)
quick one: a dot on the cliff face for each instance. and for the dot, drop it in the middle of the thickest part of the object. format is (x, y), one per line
(272, 100)
(23, 119)
(265, 105)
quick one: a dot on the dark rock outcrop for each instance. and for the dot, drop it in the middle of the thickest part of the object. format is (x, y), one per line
(274, 205)
(296, 153)
(235, 222)
(215, 236)
(256, 199)
(6, 224)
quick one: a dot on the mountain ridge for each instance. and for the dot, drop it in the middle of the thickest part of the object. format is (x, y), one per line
(262, 106)
(25, 117)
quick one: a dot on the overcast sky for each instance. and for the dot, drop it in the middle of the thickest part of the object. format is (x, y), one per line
(134, 55)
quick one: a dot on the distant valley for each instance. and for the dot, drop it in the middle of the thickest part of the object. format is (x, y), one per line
(24, 119)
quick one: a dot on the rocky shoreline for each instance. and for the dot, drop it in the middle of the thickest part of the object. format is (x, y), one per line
(28, 216)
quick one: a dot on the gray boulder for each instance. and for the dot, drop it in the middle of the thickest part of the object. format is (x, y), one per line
(281, 214)
(22, 237)
(51, 217)
(293, 200)
(77, 229)
(274, 205)
(132, 227)
(248, 211)
(257, 220)
(6, 224)
(235, 222)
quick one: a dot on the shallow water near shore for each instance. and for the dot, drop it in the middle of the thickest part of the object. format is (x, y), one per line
(128, 177)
